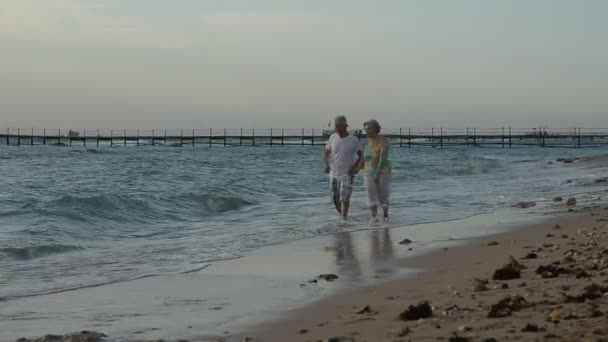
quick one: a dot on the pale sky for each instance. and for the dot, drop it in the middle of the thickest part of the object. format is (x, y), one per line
(287, 63)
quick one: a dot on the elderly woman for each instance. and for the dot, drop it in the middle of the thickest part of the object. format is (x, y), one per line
(377, 170)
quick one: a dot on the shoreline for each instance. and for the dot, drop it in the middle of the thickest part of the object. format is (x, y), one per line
(446, 279)
(331, 304)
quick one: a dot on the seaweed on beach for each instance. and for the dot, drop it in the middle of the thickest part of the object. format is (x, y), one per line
(511, 270)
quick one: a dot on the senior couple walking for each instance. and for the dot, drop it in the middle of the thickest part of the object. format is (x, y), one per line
(345, 156)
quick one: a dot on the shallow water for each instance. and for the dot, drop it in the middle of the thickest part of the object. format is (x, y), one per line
(76, 217)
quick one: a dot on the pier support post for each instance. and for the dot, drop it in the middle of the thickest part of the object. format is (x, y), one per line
(97, 137)
(441, 137)
(44, 136)
(84, 137)
(282, 137)
(193, 138)
(432, 137)
(253, 136)
(165, 137)
(32, 138)
(225, 136)
(400, 138)
(474, 136)
(409, 138)
(241, 138)
(18, 136)
(302, 136)
(124, 137)
(510, 138)
(271, 137)
(8, 136)
(153, 139)
(312, 138)
(111, 137)
(502, 137)
(210, 136)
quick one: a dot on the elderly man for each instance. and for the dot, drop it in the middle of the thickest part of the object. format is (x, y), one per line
(342, 158)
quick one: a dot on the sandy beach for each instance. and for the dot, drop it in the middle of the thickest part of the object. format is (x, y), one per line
(555, 287)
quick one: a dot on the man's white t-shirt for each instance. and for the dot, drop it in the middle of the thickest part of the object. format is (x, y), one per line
(343, 154)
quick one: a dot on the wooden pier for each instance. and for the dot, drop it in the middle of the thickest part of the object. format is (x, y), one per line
(504, 137)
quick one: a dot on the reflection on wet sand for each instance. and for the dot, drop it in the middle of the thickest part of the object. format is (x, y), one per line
(382, 253)
(346, 259)
(382, 258)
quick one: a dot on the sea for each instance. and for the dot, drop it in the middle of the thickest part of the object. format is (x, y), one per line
(76, 217)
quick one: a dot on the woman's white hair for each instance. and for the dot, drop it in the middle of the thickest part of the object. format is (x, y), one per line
(372, 124)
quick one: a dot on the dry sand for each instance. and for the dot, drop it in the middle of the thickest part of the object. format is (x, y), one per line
(567, 301)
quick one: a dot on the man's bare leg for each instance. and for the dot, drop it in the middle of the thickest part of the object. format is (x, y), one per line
(345, 207)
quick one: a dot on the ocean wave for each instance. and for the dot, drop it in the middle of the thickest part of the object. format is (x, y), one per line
(99, 202)
(218, 204)
(39, 251)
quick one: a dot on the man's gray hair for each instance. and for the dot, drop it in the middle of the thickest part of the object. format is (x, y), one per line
(372, 124)
(340, 118)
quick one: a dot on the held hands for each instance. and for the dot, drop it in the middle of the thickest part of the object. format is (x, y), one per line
(353, 170)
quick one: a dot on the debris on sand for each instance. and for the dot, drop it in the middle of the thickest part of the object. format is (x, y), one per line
(571, 202)
(416, 312)
(481, 285)
(400, 332)
(590, 292)
(327, 277)
(492, 243)
(83, 336)
(511, 270)
(405, 242)
(551, 270)
(524, 205)
(459, 339)
(530, 328)
(367, 310)
(557, 226)
(531, 256)
(506, 306)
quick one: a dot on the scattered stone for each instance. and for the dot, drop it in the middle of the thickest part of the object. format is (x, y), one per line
(571, 202)
(551, 270)
(400, 332)
(367, 310)
(405, 242)
(481, 285)
(530, 328)
(554, 315)
(328, 277)
(464, 328)
(570, 316)
(601, 180)
(492, 243)
(550, 235)
(416, 312)
(511, 270)
(590, 292)
(531, 256)
(524, 205)
(491, 339)
(459, 339)
(506, 306)
(522, 284)
(303, 331)
(564, 236)
(83, 336)
(583, 275)
(565, 160)
(557, 226)
(339, 339)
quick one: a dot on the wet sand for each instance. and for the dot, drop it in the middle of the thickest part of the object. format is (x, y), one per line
(557, 302)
